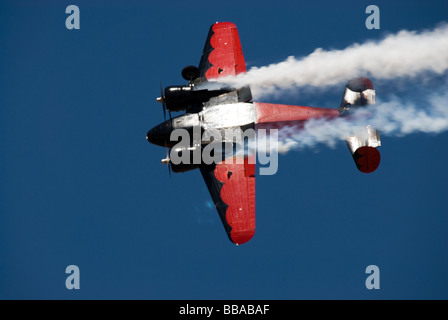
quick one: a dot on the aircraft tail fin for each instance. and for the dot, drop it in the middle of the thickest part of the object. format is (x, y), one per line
(359, 92)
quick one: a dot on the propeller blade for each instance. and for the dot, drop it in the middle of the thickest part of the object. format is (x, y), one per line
(162, 100)
(167, 161)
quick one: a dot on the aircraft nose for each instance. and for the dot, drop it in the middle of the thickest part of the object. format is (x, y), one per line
(160, 134)
(150, 136)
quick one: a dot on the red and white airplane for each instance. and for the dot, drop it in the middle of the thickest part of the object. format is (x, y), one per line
(232, 183)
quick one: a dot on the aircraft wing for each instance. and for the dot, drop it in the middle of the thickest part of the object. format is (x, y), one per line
(232, 187)
(222, 54)
(231, 182)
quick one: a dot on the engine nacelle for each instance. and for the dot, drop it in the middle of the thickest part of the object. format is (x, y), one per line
(182, 159)
(178, 98)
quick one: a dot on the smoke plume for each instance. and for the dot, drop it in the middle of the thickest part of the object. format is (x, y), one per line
(409, 56)
(404, 54)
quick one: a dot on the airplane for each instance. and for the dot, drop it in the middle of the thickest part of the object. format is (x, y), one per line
(207, 105)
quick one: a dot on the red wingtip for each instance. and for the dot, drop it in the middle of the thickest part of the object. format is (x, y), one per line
(241, 237)
(219, 25)
(367, 159)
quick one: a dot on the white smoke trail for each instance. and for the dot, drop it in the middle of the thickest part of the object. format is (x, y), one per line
(392, 118)
(407, 55)
(404, 54)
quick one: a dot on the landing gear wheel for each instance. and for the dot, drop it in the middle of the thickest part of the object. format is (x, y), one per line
(190, 73)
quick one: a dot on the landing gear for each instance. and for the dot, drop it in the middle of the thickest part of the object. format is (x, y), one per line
(190, 73)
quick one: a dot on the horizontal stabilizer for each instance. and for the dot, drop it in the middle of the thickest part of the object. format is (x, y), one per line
(358, 93)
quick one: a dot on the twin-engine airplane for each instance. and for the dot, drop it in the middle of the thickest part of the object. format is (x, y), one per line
(232, 183)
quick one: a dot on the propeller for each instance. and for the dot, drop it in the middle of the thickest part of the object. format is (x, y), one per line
(162, 100)
(167, 161)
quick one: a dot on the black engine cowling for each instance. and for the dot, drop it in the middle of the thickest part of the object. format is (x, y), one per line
(178, 98)
(183, 158)
(186, 158)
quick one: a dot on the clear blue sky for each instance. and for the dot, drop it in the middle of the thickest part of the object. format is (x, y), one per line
(79, 183)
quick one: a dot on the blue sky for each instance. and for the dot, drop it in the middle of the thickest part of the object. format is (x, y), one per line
(79, 184)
